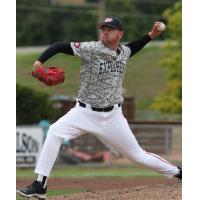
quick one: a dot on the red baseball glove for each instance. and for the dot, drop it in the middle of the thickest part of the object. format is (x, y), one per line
(49, 75)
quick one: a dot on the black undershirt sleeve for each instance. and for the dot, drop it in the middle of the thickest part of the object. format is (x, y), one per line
(137, 45)
(55, 48)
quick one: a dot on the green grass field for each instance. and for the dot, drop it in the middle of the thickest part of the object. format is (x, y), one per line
(81, 172)
(144, 79)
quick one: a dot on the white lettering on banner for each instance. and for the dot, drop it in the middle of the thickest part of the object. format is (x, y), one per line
(29, 141)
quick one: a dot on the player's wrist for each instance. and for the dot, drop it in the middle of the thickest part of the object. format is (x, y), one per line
(151, 35)
(37, 64)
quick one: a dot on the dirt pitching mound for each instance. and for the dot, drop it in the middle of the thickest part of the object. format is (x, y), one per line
(114, 188)
(152, 192)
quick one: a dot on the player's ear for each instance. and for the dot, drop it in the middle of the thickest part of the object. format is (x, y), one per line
(121, 34)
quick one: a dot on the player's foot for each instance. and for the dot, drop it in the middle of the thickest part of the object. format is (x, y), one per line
(179, 175)
(34, 190)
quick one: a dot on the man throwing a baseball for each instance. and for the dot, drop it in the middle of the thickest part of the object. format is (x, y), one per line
(98, 107)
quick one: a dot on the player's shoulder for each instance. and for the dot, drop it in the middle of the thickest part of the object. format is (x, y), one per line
(125, 48)
(89, 42)
(84, 44)
(92, 43)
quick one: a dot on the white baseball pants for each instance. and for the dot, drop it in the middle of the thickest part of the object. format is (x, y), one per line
(110, 127)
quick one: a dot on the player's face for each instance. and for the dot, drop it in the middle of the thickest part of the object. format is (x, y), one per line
(110, 35)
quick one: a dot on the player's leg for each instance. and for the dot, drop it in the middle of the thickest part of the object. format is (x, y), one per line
(57, 131)
(117, 134)
(67, 127)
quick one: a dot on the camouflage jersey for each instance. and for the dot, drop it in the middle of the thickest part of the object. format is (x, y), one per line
(101, 74)
(102, 69)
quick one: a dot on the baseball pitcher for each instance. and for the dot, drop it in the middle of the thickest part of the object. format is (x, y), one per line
(98, 109)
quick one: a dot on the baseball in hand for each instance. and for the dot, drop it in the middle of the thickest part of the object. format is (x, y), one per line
(162, 27)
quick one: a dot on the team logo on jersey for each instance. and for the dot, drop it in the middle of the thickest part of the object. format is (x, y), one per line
(108, 20)
(106, 67)
(77, 44)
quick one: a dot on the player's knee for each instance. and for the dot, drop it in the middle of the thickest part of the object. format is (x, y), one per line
(52, 130)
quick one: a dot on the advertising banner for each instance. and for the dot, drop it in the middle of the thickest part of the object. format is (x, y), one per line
(29, 141)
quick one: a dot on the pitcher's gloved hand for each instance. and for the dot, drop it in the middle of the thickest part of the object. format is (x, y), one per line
(49, 75)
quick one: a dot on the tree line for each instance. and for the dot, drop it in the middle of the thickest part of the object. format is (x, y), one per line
(41, 23)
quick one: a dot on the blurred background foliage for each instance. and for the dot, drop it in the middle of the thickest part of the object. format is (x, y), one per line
(170, 99)
(40, 22)
(35, 102)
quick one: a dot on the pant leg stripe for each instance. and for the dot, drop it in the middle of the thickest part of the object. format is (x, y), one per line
(160, 159)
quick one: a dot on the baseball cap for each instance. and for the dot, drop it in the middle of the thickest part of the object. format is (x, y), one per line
(112, 22)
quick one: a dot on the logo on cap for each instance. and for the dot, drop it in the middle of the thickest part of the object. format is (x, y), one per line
(108, 20)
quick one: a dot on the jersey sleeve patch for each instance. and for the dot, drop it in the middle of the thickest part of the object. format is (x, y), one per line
(77, 44)
(82, 49)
